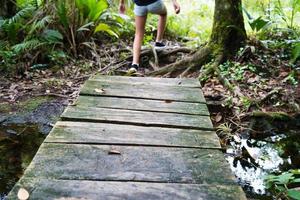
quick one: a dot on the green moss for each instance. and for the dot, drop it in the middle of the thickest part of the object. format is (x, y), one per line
(24, 106)
(32, 104)
(5, 108)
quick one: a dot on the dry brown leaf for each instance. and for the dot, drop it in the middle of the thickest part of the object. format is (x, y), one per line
(168, 101)
(219, 117)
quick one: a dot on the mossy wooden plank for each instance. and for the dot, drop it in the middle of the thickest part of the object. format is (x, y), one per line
(101, 133)
(182, 82)
(130, 163)
(79, 113)
(175, 93)
(143, 105)
(48, 189)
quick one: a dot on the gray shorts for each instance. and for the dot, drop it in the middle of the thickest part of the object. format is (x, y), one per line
(157, 7)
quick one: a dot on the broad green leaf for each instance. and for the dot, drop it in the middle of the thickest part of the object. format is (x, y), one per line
(83, 8)
(296, 52)
(98, 9)
(258, 24)
(297, 180)
(294, 194)
(296, 171)
(285, 178)
(106, 28)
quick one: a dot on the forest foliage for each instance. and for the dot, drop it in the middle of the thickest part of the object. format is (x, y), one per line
(51, 31)
(42, 33)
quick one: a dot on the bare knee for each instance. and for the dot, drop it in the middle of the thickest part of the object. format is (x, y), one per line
(163, 15)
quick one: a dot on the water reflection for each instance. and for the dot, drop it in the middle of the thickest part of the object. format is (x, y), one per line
(18, 145)
(252, 159)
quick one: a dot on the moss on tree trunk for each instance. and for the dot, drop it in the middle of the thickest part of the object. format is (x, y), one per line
(228, 32)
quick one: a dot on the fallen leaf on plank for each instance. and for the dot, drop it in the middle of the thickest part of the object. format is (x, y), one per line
(23, 194)
(100, 90)
(168, 101)
(114, 152)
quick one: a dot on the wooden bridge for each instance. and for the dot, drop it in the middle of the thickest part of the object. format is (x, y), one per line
(132, 138)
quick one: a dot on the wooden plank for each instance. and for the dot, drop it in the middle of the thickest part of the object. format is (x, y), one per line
(171, 120)
(98, 133)
(143, 105)
(124, 163)
(48, 189)
(182, 82)
(175, 93)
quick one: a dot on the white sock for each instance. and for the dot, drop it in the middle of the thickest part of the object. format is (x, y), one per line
(136, 64)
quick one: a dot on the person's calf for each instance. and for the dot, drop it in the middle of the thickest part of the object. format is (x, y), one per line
(161, 27)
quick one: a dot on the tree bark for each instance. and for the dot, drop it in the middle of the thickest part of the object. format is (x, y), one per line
(228, 32)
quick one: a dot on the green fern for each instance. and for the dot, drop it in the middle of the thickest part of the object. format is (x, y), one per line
(24, 13)
(52, 36)
(3, 45)
(40, 24)
(28, 45)
(62, 12)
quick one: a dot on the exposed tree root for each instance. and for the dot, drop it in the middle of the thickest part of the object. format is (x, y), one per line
(196, 60)
(148, 52)
(214, 69)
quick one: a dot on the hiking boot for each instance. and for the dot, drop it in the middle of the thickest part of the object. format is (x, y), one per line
(133, 68)
(159, 45)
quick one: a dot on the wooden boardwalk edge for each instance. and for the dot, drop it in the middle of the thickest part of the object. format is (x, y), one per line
(126, 190)
(132, 138)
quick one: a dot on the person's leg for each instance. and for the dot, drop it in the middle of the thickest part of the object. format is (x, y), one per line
(140, 22)
(159, 8)
(161, 27)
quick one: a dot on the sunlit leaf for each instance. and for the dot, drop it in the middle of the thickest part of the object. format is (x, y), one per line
(105, 28)
(85, 27)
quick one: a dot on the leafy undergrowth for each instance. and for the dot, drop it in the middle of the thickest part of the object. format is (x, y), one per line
(266, 105)
(65, 81)
(267, 84)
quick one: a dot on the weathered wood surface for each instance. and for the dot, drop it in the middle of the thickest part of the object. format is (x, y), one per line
(128, 163)
(113, 89)
(150, 81)
(132, 138)
(143, 105)
(107, 115)
(51, 189)
(103, 133)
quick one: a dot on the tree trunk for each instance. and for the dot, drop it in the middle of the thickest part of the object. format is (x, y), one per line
(228, 35)
(228, 32)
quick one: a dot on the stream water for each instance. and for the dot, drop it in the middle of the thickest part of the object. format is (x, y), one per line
(253, 159)
(21, 134)
(18, 145)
